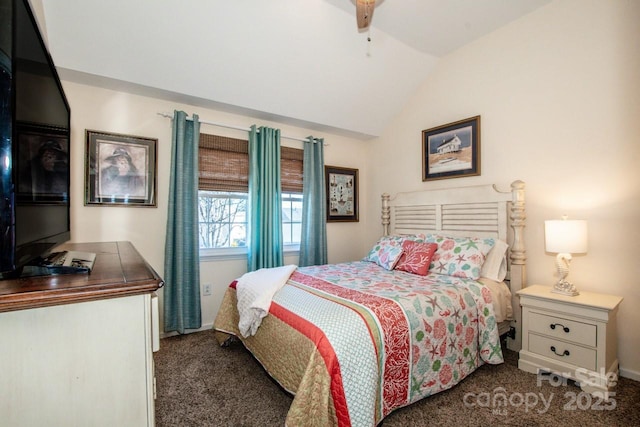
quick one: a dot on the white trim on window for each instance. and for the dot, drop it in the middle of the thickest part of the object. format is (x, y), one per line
(221, 254)
(224, 254)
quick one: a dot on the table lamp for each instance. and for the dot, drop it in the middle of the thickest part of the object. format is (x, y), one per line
(564, 237)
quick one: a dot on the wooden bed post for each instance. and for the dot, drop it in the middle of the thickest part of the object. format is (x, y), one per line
(386, 214)
(518, 258)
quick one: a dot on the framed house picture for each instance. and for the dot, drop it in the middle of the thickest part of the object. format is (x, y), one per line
(342, 194)
(120, 169)
(451, 150)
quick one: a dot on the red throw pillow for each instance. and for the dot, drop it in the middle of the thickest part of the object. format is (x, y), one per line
(416, 257)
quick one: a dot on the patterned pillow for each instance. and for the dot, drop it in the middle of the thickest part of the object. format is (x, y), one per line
(416, 257)
(385, 255)
(397, 239)
(386, 252)
(459, 256)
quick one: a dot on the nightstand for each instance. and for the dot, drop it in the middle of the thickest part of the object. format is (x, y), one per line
(572, 336)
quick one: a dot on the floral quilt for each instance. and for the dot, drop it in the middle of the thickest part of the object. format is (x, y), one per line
(387, 338)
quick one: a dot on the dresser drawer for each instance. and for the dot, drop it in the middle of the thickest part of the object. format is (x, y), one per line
(563, 351)
(569, 330)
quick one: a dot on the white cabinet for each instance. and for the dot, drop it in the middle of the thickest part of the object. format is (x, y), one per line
(77, 350)
(574, 336)
(81, 364)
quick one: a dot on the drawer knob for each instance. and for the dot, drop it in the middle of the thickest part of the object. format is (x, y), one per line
(564, 353)
(564, 328)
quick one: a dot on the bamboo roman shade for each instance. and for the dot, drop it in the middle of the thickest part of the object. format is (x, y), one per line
(224, 165)
(291, 160)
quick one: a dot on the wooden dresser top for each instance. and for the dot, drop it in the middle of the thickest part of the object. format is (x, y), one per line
(119, 270)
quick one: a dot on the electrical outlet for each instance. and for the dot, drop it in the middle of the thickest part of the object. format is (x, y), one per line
(206, 289)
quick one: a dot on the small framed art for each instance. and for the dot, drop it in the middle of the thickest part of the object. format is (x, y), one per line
(451, 150)
(342, 194)
(120, 169)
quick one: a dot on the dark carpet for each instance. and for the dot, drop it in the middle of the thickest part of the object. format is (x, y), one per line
(202, 384)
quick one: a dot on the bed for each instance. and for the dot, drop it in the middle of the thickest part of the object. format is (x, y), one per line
(355, 341)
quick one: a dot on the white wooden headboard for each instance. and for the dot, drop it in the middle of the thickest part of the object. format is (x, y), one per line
(479, 211)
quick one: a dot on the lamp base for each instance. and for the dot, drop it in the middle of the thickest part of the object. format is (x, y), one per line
(565, 288)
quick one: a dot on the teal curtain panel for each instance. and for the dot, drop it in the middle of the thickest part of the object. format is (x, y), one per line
(181, 261)
(265, 247)
(313, 241)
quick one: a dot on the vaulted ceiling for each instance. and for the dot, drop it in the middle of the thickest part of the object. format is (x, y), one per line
(301, 62)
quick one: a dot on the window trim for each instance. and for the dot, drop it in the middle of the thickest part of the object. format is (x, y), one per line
(225, 254)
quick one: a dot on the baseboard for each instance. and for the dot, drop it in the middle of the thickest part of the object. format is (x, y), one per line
(205, 327)
(628, 373)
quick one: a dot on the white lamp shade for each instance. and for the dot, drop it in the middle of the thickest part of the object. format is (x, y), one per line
(565, 236)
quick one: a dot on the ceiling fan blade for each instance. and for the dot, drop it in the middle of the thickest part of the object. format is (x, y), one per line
(364, 12)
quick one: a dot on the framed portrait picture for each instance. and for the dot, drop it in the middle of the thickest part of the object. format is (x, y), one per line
(120, 169)
(451, 150)
(342, 194)
(42, 164)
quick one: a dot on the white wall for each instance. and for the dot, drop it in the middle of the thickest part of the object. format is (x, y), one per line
(100, 109)
(559, 97)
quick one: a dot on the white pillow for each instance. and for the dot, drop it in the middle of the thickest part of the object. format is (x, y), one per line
(495, 266)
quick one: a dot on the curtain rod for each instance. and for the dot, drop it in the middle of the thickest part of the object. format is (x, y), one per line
(222, 125)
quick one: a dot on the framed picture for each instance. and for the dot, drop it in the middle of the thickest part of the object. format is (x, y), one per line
(42, 164)
(451, 150)
(342, 194)
(120, 169)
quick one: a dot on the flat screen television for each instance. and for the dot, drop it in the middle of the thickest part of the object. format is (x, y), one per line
(34, 144)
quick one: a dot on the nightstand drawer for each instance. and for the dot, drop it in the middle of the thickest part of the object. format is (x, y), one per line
(577, 332)
(563, 351)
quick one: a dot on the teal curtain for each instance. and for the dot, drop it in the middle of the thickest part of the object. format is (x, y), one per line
(313, 246)
(265, 200)
(181, 259)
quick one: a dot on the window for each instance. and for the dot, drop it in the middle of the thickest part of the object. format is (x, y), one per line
(223, 219)
(223, 191)
(291, 218)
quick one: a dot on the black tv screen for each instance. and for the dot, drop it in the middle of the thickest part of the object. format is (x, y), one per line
(35, 130)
